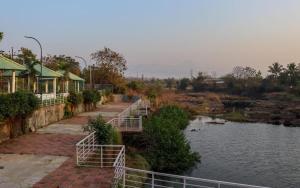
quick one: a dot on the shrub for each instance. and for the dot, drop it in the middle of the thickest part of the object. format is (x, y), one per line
(74, 98)
(91, 96)
(178, 116)
(167, 149)
(19, 104)
(105, 133)
(183, 84)
(136, 85)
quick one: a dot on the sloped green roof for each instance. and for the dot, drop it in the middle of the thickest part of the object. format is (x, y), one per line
(8, 64)
(72, 76)
(9, 73)
(46, 71)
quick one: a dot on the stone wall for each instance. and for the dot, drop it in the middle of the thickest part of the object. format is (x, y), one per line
(46, 115)
(4, 131)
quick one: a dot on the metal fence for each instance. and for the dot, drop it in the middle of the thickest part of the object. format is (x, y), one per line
(135, 178)
(90, 153)
(49, 100)
(127, 123)
(119, 171)
(139, 107)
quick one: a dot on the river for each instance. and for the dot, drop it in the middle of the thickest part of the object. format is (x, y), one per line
(250, 153)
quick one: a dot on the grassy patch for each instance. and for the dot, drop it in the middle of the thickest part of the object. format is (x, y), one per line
(235, 116)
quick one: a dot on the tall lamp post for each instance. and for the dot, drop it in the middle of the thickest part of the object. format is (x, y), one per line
(85, 62)
(41, 74)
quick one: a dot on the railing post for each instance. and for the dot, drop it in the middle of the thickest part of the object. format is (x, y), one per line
(124, 169)
(83, 151)
(184, 183)
(77, 155)
(101, 156)
(152, 183)
(93, 142)
(140, 122)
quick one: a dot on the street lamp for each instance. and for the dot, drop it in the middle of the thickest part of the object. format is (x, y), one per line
(41, 74)
(85, 62)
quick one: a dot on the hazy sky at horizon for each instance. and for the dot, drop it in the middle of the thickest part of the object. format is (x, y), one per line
(165, 38)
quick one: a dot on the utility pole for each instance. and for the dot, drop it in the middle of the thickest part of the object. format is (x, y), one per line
(41, 73)
(12, 53)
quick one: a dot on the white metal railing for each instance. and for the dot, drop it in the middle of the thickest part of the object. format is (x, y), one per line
(127, 123)
(89, 153)
(139, 107)
(130, 109)
(136, 178)
(119, 171)
(51, 99)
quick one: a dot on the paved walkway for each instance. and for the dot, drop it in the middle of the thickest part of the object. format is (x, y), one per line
(48, 159)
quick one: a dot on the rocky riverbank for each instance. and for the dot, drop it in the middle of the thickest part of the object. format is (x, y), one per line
(274, 108)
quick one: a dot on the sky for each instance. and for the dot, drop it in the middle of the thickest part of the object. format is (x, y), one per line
(160, 38)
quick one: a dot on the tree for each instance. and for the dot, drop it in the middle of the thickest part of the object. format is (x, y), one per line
(275, 70)
(29, 60)
(183, 84)
(110, 68)
(1, 36)
(198, 83)
(170, 83)
(62, 62)
(292, 73)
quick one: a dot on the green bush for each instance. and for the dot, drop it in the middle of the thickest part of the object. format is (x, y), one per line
(74, 98)
(235, 116)
(105, 133)
(17, 105)
(167, 149)
(91, 96)
(136, 85)
(177, 115)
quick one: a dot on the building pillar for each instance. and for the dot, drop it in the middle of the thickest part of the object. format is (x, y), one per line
(67, 86)
(54, 86)
(46, 86)
(78, 87)
(13, 82)
(8, 86)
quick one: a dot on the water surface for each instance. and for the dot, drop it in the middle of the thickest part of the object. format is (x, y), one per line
(251, 153)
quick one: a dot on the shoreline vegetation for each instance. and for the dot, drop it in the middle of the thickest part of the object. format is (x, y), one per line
(162, 143)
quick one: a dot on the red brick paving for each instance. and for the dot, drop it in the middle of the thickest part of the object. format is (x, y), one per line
(44, 144)
(82, 120)
(68, 174)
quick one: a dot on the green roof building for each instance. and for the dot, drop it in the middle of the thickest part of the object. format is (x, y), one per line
(74, 82)
(8, 69)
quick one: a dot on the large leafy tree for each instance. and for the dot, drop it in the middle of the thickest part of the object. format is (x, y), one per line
(27, 58)
(292, 73)
(110, 67)
(62, 62)
(275, 70)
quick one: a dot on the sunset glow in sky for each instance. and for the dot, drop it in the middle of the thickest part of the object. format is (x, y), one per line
(165, 38)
